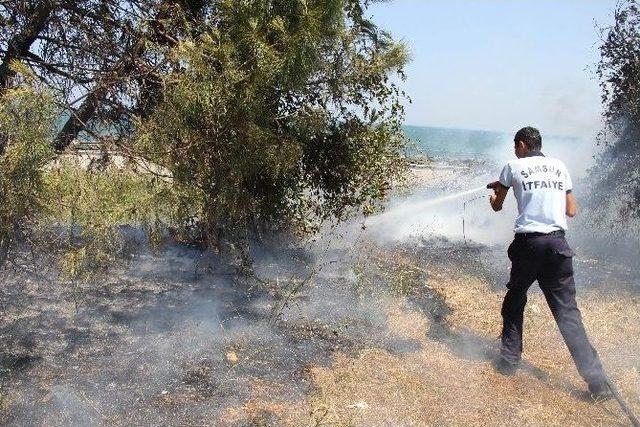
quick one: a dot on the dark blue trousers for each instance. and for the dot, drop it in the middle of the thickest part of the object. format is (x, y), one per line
(546, 258)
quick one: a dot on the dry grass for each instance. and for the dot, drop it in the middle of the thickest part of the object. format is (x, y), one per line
(435, 386)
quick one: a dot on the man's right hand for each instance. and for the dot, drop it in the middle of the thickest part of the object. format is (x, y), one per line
(572, 205)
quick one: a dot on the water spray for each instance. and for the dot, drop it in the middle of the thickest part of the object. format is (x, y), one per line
(493, 186)
(448, 197)
(464, 211)
(454, 196)
(417, 206)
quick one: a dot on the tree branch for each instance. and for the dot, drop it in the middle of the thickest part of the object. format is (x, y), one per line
(19, 45)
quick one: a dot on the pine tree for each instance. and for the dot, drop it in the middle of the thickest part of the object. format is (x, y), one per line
(282, 114)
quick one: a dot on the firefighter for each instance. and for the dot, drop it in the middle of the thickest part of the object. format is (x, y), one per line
(539, 251)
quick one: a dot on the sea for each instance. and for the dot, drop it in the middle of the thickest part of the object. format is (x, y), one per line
(496, 148)
(446, 143)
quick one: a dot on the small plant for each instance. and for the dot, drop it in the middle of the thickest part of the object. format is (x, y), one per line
(404, 279)
(387, 271)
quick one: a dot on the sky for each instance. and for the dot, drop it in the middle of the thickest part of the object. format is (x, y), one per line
(501, 64)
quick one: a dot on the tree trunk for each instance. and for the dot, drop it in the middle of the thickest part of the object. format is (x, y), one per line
(19, 45)
(79, 118)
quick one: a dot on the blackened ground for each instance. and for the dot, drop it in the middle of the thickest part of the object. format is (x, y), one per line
(175, 338)
(178, 337)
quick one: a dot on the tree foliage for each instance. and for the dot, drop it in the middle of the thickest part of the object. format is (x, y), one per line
(281, 113)
(617, 174)
(260, 114)
(27, 115)
(101, 59)
(96, 208)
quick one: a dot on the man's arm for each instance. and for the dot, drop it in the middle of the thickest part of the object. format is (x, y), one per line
(497, 199)
(572, 205)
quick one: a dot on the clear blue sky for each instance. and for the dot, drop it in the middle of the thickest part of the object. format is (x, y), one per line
(498, 64)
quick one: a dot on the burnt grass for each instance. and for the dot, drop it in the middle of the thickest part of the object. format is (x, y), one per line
(179, 336)
(176, 337)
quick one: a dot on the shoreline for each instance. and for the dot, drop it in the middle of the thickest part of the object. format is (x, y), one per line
(425, 171)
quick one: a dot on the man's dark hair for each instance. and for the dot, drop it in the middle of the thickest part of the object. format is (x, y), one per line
(530, 136)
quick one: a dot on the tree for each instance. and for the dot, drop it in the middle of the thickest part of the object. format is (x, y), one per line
(270, 113)
(617, 173)
(282, 114)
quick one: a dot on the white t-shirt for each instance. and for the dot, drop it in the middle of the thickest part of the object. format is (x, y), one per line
(540, 185)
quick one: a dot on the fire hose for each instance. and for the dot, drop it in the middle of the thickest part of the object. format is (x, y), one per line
(623, 405)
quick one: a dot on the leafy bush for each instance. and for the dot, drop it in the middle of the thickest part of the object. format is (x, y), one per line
(96, 206)
(26, 129)
(41, 192)
(617, 172)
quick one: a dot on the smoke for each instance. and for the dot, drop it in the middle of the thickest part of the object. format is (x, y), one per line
(178, 337)
(440, 211)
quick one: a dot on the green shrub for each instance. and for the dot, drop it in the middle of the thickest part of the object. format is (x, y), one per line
(96, 205)
(27, 115)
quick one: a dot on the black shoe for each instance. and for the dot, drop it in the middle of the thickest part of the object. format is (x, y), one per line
(600, 391)
(505, 368)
